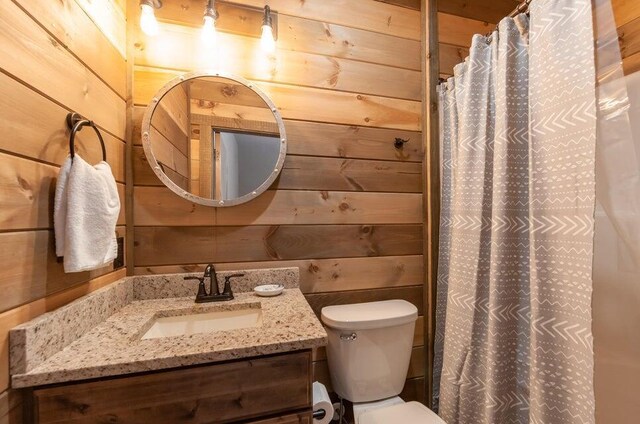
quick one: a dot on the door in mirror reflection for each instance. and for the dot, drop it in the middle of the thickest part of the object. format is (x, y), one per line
(241, 162)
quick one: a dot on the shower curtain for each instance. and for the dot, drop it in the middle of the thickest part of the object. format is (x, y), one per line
(518, 132)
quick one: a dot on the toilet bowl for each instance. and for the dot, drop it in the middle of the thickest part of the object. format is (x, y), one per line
(368, 354)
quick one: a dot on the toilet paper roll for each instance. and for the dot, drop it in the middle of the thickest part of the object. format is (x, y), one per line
(321, 400)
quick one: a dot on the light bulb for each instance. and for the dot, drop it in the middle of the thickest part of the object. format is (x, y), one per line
(148, 21)
(208, 33)
(267, 42)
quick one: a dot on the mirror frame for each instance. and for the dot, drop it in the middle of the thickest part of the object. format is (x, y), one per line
(148, 151)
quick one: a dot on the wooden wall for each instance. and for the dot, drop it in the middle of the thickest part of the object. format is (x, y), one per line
(347, 208)
(170, 128)
(56, 57)
(627, 15)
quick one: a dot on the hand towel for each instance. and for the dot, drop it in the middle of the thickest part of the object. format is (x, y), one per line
(86, 209)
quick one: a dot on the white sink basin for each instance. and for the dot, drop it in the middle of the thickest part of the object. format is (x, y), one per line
(207, 322)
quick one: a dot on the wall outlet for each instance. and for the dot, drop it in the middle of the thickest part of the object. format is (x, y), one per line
(118, 262)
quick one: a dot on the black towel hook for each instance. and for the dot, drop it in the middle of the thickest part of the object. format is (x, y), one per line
(399, 142)
(75, 122)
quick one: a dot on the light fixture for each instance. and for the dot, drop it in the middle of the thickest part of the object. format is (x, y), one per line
(266, 41)
(148, 21)
(208, 33)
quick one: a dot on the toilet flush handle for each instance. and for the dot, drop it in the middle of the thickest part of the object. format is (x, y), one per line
(348, 337)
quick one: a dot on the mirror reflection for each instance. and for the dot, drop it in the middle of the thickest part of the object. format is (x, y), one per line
(215, 138)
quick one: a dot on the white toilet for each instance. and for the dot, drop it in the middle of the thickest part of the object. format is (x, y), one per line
(368, 352)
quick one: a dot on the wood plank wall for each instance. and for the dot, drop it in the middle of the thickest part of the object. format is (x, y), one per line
(55, 58)
(347, 208)
(627, 15)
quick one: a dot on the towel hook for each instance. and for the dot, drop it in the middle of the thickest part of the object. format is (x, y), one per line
(75, 122)
(399, 143)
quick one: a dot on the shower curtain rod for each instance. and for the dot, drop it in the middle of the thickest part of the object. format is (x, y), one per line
(521, 8)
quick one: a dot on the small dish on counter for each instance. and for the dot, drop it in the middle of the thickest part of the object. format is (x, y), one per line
(268, 290)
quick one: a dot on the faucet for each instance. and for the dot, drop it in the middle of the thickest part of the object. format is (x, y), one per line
(210, 272)
(214, 294)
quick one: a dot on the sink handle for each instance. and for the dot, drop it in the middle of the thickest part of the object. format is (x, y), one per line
(227, 284)
(202, 291)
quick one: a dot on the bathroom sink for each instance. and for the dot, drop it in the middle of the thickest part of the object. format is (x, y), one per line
(206, 322)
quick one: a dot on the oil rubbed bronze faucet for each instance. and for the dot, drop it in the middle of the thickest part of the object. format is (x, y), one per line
(214, 294)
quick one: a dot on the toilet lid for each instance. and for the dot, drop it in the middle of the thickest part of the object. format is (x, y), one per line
(405, 413)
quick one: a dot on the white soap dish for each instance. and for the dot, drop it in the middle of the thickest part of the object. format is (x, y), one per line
(268, 290)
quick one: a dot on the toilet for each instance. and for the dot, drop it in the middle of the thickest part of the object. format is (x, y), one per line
(368, 353)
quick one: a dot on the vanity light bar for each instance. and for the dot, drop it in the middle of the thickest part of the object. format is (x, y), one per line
(268, 31)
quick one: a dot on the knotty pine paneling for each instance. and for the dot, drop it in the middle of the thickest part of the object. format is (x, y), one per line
(319, 173)
(458, 30)
(282, 207)
(458, 21)
(304, 34)
(74, 29)
(55, 58)
(625, 11)
(34, 127)
(171, 245)
(294, 66)
(482, 10)
(372, 16)
(27, 47)
(334, 141)
(109, 17)
(347, 207)
(411, 4)
(627, 16)
(331, 106)
(327, 275)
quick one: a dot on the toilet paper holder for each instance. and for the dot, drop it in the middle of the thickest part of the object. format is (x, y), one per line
(319, 414)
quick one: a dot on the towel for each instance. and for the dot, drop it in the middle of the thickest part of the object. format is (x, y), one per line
(86, 209)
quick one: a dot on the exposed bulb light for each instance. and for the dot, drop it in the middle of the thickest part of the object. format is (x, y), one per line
(267, 41)
(148, 22)
(208, 32)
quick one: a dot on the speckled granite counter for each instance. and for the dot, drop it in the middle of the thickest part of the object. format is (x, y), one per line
(100, 334)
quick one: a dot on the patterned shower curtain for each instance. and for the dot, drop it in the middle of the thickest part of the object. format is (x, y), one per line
(518, 132)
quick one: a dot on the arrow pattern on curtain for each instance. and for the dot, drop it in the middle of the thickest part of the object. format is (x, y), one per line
(518, 122)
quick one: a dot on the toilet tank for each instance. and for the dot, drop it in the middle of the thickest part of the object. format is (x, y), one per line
(369, 348)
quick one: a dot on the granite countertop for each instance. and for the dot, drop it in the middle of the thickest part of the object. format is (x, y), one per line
(114, 346)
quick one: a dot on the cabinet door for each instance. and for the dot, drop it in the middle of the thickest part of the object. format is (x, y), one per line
(300, 418)
(220, 393)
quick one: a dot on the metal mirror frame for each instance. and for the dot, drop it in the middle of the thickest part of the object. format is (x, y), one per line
(148, 151)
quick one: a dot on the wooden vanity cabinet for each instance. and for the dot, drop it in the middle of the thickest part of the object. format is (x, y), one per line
(265, 390)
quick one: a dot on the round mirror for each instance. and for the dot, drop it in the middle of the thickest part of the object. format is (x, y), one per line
(214, 139)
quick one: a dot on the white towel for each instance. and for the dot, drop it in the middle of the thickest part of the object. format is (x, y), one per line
(86, 209)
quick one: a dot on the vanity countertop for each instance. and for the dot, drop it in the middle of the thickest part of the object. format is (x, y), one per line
(114, 346)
